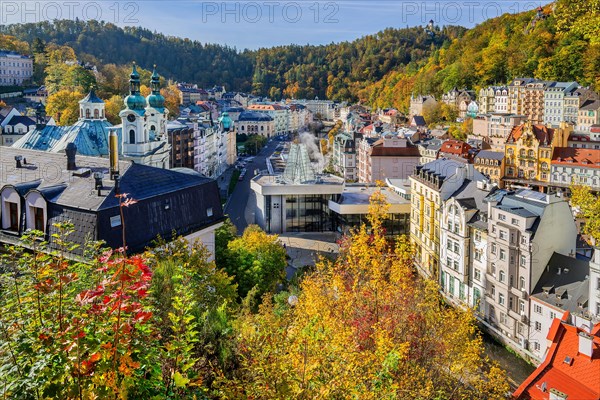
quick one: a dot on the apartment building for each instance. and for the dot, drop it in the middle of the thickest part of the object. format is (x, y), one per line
(493, 129)
(528, 153)
(15, 68)
(559, 104)
(522, 237)
(431, 185)
(389, 156)
(344, 160)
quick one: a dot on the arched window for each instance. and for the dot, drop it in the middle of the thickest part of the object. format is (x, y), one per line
(96, 114)
(522, 153)
(87, 113)
(152, 127)
(262, 128)
(530, 153)
(131, 136)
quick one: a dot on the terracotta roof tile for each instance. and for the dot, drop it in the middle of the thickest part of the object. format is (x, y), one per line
(587, 158)
(578, 379)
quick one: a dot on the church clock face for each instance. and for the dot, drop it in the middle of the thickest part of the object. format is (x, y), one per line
(131, 118)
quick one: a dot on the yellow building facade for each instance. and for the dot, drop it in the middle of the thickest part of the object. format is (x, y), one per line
(528, 153)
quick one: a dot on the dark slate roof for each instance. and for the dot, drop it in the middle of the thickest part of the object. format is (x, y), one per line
(91, 98)
(21, 119)
(419, 120)
(46, 172)
(490, 155)
(254, 116)
(90, 137)
(144, 182)
(567, 289)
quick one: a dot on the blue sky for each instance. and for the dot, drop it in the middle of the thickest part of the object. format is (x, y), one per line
(253, 24)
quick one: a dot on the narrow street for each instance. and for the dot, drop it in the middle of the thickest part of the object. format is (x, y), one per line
(237, 205)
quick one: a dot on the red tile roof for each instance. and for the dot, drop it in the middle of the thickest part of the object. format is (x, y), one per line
(262, 107)
(456, 147)
(570, 156)
(541, 132)
(578, 379)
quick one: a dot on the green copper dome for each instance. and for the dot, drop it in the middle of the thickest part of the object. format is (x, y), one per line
(226, 120)
(135, 101)
(155, 99)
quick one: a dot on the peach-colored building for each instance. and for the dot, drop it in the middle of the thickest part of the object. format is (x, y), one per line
(387, 157)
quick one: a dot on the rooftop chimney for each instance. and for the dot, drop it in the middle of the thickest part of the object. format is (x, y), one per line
(586, 344)
(98, 176)
(113, 153)
(117, 180)
(18, 159)
(71, 151)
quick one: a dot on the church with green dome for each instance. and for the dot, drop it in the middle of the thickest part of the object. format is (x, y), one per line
(142, 133)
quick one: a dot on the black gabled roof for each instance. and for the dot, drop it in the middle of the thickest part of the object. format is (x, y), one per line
(21, 119)
(142, 182)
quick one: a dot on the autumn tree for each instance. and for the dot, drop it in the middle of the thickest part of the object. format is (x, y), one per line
(63, 106)
(256, 259)
(112, 108)
(587, 206)
(363, 326)
(194, 303)
(172, 97)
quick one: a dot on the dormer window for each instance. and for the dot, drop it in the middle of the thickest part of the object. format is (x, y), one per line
(36, 211)
(11, 204)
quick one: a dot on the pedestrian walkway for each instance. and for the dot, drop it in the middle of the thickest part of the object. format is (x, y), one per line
(305, 249)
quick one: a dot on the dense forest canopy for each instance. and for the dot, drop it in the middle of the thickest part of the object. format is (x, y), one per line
(336, 71)
(381, 70)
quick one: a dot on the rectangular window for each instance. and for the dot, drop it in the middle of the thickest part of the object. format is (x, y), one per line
(502, 234)
(476, 274)
(538, 326)
(501, 299)
(521, 306)
(456, 248)
(537, 308)
(38, 219)
(493, 248)
(502, 254)
(477, 236)
(502, 217)
(552, 315)
(523, 261)
(522, 283)
(515, 221)
(536, 346)
(13, 211)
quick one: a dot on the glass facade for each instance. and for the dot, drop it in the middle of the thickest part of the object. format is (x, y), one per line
(396, 224)
(308, 213)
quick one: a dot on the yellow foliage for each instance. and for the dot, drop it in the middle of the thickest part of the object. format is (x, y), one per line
(364, 326)
(64, 106)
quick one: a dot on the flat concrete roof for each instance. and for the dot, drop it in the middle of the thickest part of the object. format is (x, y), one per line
(273, 185)
(355, 200)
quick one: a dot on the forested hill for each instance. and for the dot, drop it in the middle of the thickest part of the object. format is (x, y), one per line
(340, 71)
(180, 59)
(381, 70)
(563, 43)
(336, 71)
